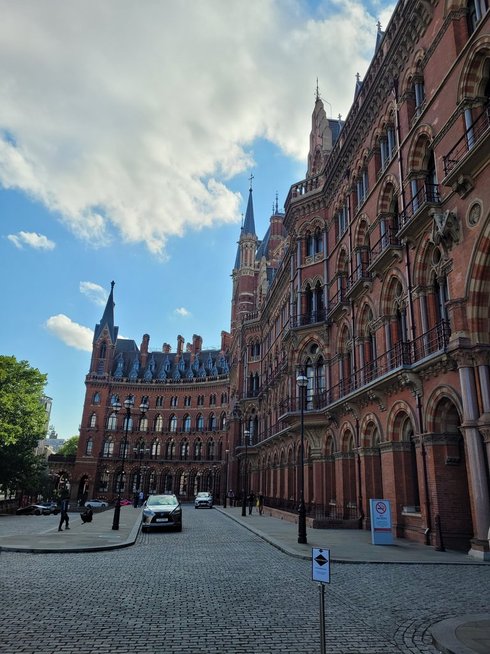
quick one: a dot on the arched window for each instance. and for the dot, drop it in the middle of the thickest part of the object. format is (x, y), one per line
(155, 449)
(184, 450)
(200, 423)
(124, 449)
(222, 421)
(159, 423)
(103, 351)
(476, 11)
(108, 448)
(112, 421)
(212, 422)
(89, 446)
(96, 398)
(172, 425)
(210, 450)
(143, 424)
(128, 423)
(197, 449)
(187, 423)
(93, 421)
(170, 449)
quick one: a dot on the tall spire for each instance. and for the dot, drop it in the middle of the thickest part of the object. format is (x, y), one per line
(107, 318)
(249, 224)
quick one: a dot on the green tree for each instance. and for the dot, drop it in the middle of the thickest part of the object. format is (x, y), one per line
(22, 421)
(70, 446)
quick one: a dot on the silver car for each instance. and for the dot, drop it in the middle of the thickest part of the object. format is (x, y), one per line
(162, 512)
(203, 499)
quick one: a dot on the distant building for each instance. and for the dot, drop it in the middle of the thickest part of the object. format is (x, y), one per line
(374, 286)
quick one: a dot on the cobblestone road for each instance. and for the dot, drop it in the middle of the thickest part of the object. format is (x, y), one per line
(218, 588)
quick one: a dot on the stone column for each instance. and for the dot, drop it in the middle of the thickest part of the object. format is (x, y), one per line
(478, 483)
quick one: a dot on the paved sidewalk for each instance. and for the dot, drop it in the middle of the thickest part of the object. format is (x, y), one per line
(90, 537)
(467, 634)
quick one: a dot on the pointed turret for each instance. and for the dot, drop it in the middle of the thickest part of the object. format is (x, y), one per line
(105, 337)
(249, 224)
(107, 319)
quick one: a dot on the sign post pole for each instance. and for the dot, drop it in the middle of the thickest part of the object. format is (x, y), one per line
(320, 568)
(322, 618)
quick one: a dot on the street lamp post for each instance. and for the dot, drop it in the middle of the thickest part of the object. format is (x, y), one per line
(246, 433)
(226, 478)
(302, 382)
(128, 405)
(139, 451)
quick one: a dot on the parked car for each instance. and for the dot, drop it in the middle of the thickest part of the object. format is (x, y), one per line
(38, 509)
(203, 499)
(162, 511)
(96, 504)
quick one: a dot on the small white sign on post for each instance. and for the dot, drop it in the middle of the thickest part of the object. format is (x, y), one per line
(381, 522)
(320, 565)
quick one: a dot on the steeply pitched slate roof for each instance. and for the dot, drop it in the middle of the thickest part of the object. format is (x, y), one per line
(167, 366)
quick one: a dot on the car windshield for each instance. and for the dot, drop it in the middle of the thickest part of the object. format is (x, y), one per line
(159, 500)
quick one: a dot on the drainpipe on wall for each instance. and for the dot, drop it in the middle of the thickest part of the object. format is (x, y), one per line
(403, 204)
(427, 531)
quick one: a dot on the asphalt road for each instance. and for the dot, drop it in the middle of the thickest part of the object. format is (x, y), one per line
(218, 588)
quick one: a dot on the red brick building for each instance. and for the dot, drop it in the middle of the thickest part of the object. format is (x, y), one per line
(175, 436)
(374, 284)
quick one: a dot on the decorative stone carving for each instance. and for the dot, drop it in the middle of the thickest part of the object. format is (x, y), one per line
(445, 228)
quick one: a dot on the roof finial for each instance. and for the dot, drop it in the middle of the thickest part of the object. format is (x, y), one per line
(250, 180)
(112, 285)
(378, 25)
(277, 204)
(242, 219)
(358, 77)
(317, 92)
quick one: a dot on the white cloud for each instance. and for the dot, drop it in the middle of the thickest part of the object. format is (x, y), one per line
(32, 240)
(95, 293)
(182, 311)
(71, 333)
(128, 121)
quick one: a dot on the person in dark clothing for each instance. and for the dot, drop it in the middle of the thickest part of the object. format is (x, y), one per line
(87, 515)
(251, 501)
(64, 514)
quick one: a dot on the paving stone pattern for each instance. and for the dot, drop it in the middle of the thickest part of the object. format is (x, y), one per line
(216, 588)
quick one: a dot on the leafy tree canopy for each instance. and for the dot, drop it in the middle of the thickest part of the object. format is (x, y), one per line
(22, 413)
(69, 446)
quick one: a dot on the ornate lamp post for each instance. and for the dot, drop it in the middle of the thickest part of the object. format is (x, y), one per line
(246, 433)
(226, 479)
(128, 405)
(302, 382)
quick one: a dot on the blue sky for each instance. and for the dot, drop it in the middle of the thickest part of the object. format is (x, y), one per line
(126, 142)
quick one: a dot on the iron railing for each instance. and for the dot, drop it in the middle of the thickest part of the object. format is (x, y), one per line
(468, 141)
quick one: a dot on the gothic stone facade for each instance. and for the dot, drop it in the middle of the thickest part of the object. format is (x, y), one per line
(374, 285)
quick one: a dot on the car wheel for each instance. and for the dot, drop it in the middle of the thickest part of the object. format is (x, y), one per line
(37, 512)
(55, 512)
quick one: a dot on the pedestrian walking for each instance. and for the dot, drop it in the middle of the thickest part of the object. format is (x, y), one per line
(136, 498)
(141, 498)
(251, 500)
(260, 503)
(231, 497)
(64, 514)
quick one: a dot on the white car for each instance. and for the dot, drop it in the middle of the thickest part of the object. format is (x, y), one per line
(96, 504)
(203, 499)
